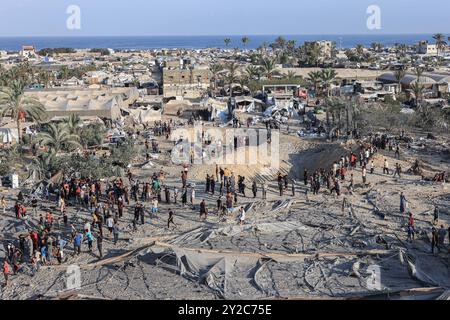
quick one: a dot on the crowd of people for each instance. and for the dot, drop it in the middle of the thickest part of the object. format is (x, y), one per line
(108, 202)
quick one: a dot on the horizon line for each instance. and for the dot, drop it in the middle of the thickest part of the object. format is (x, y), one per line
(223, 35)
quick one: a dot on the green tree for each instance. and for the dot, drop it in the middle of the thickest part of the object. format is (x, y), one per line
(399, 75)
(92, 135)
(215, 69)
(268, 67)
(253, 72)
(418, 89)
(17, 105)
(245, 41)
(231, 76)
(280, 43)
(73, 123)
(328, 76)
(227, 41)
(440, 42)
(315, 78)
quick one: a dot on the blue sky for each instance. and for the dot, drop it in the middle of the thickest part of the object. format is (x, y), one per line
(221, 17)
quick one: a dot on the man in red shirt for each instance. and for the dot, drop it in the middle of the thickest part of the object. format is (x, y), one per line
(5, 271)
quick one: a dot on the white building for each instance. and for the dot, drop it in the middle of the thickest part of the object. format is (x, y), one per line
(28, 52)
(423, 47)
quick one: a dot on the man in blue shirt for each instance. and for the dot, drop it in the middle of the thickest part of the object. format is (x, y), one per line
(77, 242)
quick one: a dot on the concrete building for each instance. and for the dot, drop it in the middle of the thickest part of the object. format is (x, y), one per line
(190, 82)
(423, 47)
(28, 52)
(326, 48)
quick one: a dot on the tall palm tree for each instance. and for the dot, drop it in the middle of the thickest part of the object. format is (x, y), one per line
(418, 89)
(440, 42)
(44, 77)
(245, 41)
(268, 67)
(374, 46)
(315, 77)
(327, 76)
(243, 82)
(64, 72)
(73, 123)
(290, 75)
(280, 43)
(418, 71)
(231, 76)
(17, 105)
(215, 69)
(253, 72)
(311, 51)
(227, 41)
(360, 51)
(399, 75)
(290, 46)
(58, 138)
(336, 107)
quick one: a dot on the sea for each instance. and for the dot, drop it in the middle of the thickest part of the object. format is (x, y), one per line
(198, 42)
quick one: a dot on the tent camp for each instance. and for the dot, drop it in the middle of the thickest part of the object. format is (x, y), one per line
(102, 103)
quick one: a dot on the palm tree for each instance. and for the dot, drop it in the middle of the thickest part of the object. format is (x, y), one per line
(418, 71)
(245, 41)
(243, 82)
(44, 78)
(327, 76)
(312, 53)
(268, 67)
(42, 165)
(314, 77)
(215, 69)
(399, 75)
(14, 103)
(290, 75)
(336, 106)
(73, 123)
(263, 48)
(231, 76)
(440, 42)
(360, 51)
(374, 46)
(64, 72)
(280, 42)
(253, 72)
(227, 41)
(290, 46)
(418, 89)
(58, 138)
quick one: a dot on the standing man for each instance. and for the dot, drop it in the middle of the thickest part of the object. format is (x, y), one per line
(116, 231)
(434, 240)
(170, 220)
(385, 167)
(436, 214)
(100, 245)
(403, 203)
(254, 188)
(264, 191)
(241, 216)
(77, 242)
(5, 271)
(203, 209)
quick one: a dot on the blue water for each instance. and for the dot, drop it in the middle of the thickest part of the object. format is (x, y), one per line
(197, 42)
